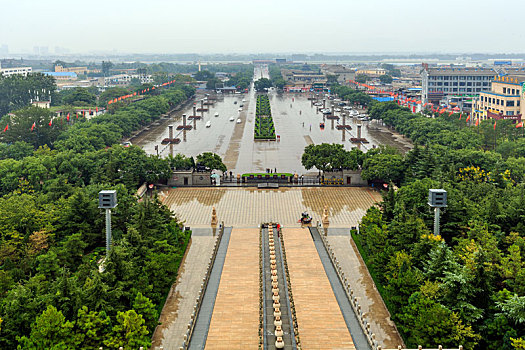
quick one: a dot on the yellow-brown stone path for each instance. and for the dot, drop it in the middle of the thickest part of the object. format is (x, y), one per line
(248, 207)
(235, 318)
(321, 323)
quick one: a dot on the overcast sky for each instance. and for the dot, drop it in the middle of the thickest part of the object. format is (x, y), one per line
(247, 26)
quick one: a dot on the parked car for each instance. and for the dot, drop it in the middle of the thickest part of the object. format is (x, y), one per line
(208, 124)
(232, 119)
(238, 121)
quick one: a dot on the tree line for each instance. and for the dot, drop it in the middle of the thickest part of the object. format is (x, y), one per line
(52, 294)
(466, 286)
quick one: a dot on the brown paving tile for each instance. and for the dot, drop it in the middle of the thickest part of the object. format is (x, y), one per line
(235, 318)
(248, 207)
(321, 324)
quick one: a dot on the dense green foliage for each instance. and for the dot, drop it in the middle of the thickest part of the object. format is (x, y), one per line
(385, 79)
(351, 95)
(276, 77)
(466, 286)
(262, 84)
(211, 160)
(52, 295)
(241, 79)
(264, 128)
(17, 91)
(327, 157)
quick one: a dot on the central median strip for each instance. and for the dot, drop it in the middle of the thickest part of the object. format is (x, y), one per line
(278, 326)
(264, 127)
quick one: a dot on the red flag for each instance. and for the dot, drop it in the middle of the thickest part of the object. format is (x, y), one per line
(495, 124)
(519, 125)
(97, 109)
(77, 115)
(33, 126)
(67, 117)
(468, 117)
(6, 128)
(51, 122)
(477, 121)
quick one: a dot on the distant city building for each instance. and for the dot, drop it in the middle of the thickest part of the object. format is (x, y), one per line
(40, 50)
(62, 75)
(438, 83)
(61, 50)
(503, 63)
(344, 74)
(125, 79)
(302, 76)
(505, 98)
(373, 73)
(15, 71)
(77, 70)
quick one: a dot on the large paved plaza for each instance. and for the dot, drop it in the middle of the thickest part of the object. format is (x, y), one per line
(234, 315)
(248, 207)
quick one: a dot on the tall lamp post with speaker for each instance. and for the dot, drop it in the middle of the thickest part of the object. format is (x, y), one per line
(437, 199)
(107, 200)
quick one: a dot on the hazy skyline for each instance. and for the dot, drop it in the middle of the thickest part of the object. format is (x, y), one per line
(235, 26)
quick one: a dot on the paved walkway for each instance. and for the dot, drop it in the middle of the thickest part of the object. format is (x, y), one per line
(178, 308)
(364, 289)
(352, 323)
(248, 207)
(235, 319)
(321, 324)
(202, 323)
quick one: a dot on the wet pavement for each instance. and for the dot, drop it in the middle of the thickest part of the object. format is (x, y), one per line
(248, 207)
(364, 288)
(296, 122)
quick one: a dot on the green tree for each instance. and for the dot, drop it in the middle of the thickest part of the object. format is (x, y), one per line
(143, 306)
(213, 83)
(385, 79)
(361, 78)
(203, 75)
(262, 84)
(129, 332)
(21, 127)
(425, 321)
(92, 328)
(324, 157)
(211, 160)
(384, 167)
(79, 97)
(106, 67)
(51, 330)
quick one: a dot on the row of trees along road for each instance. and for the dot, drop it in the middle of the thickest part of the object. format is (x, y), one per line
(466, 286)
(52, 295)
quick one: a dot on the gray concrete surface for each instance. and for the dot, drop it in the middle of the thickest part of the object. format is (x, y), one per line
(178, 308)
(364, 289)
